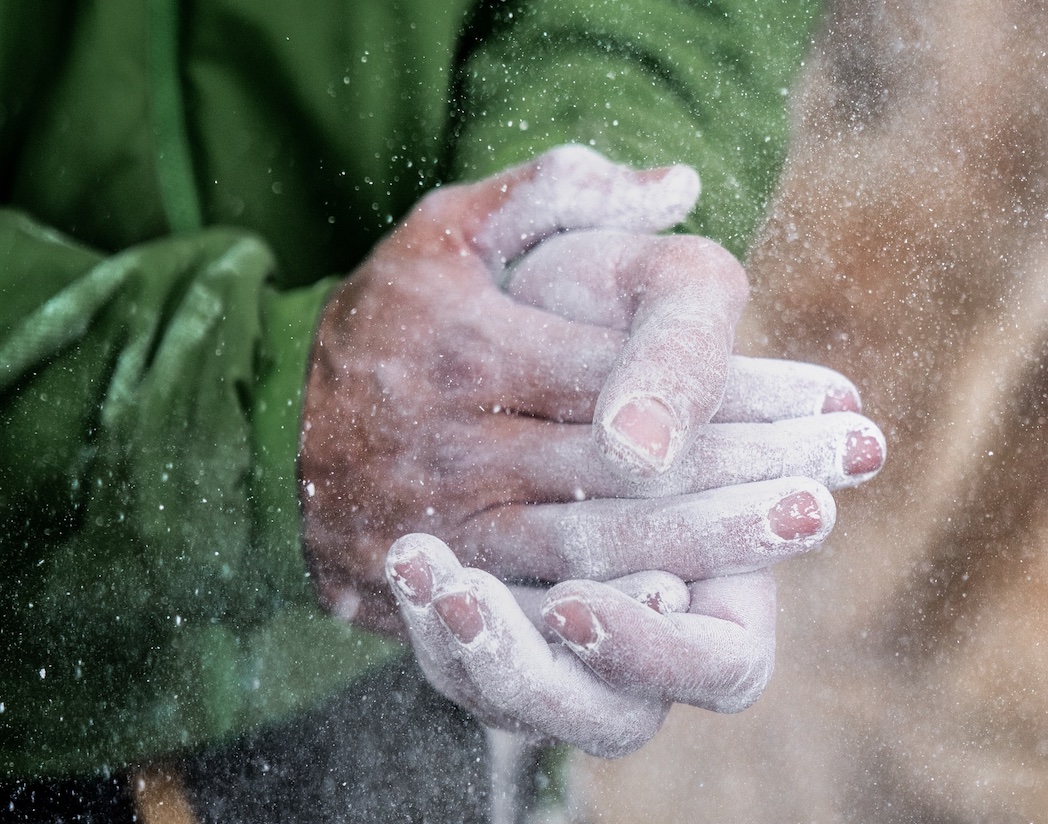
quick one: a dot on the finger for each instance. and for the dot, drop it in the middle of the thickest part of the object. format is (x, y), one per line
(571, 187)
(517, 459)
(575, 276)
(578, 276)
(658, 590)
(545, 688)
(840, 450)
(719, 656)
(415, 565)
(683, 296)
(495, 220)
(766, 390)
(479, 649)
(697, 536)
(564, 367)
(679, 297)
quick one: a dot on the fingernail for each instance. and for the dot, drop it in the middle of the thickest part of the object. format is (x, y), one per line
(795, 516)
(653, 176)
(413, 578)
(573, 620)
(677, 179)
(460, 613)
(646, 427)
(841, 400)
(862, 454)
(661, 174)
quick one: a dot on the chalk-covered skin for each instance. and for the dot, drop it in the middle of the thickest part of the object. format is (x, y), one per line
(623, 283)
(438, 402)
(631, 648)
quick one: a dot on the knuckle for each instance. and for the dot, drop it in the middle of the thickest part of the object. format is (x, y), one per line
(451, 455)
(440, 226)
(464, 361)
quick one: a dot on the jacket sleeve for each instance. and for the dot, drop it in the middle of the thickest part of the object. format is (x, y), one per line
(665, 81)
(149, 407)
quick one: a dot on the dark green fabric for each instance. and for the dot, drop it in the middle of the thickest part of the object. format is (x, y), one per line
(702, 82)
(179, 186)
(170, 130)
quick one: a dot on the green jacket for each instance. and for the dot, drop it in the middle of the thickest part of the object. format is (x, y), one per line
(179, 190)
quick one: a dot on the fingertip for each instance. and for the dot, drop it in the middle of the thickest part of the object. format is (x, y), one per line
(410, 565)
(798, 515)
(661, 591)
(574, 621)
(765, 389)
(864, 453)
(460, 612)
(417, 542)
(843, 398)
(678, 186)
(803, 515)
(642, 434)
(412, 578)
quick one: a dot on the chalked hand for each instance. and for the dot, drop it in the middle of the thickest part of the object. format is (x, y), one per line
(631, 648)
(443, 398)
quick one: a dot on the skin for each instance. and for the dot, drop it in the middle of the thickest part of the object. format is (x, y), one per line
(525, 371)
